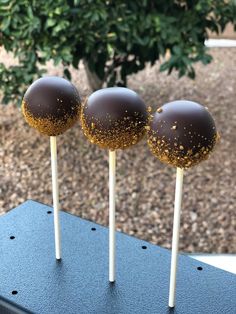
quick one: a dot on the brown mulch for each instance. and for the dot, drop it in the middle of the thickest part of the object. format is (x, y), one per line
(145, 187)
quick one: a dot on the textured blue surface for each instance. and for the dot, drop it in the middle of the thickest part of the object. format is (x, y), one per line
(79, 283)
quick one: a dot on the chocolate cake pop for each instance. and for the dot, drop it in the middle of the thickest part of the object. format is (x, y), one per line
(182, 133)
(114, 118)
(51, 105)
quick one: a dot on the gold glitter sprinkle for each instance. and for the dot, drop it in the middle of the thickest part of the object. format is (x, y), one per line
(50, 125)
(149, 109)
(147, 127)
(174, 154)
(120, 134)
(174, 127)
(159, 110)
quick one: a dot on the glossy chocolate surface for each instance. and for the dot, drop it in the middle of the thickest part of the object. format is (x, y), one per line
(114, 118)
(182, 133)
(51, 105)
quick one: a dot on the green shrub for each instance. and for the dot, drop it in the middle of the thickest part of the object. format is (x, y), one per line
(114, 38)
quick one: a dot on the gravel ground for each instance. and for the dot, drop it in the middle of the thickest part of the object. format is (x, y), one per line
(145, 187)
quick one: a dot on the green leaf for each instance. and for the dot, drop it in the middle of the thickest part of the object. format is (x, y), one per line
(51, 22)
(116, 38)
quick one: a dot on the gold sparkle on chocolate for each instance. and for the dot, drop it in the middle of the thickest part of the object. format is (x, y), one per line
(50, 125)
(121, 135)
(93, 125)
(174, 155)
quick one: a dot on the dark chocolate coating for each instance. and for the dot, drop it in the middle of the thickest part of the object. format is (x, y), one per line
(114, 118)
(182, 133)
(51, 105)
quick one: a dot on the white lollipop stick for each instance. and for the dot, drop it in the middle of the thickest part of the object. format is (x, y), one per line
(53, 145)
(175, 236)
(112, 199)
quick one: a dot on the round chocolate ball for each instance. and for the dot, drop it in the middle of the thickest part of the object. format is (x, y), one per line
(182, 133)
(114, 118)
(51, 105)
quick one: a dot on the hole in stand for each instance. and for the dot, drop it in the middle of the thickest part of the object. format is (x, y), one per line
(14, 292)
(49, 212)
(199, 268)
(93, 229)
(144, 247)
(12, 237)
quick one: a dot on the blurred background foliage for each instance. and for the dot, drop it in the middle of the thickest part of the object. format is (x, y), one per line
(113, 38)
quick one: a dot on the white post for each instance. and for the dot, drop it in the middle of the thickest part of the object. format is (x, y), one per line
(175, 236)
(55, 193)
(112, 199)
